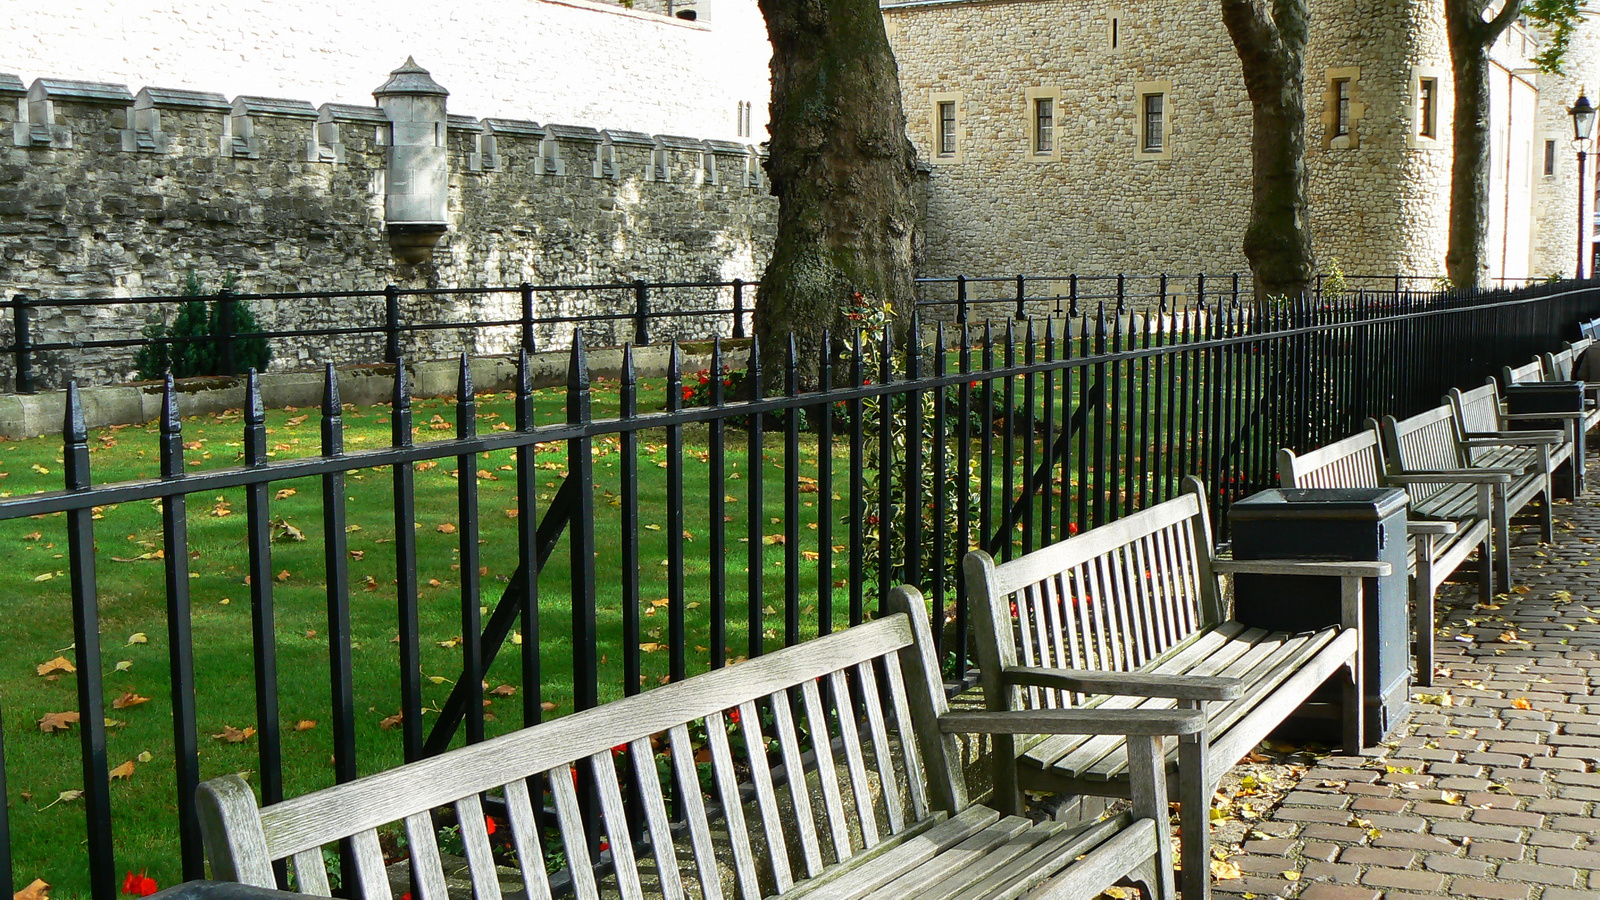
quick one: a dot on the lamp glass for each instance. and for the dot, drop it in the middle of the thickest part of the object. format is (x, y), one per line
(1582, 114)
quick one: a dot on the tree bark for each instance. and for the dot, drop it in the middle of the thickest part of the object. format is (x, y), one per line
(1466, 261)
(841, 168)
(1271, 47)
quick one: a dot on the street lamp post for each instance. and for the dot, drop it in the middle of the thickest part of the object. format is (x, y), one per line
(1582, 113)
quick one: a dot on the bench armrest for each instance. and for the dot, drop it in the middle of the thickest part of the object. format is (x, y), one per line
(1341, 569)
(1431, 527)
(1453, 476)
(1075, 721)
(1131, 684)
(1522, 417)
(1513, 438)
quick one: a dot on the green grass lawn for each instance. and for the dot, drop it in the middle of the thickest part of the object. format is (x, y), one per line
(47, 835)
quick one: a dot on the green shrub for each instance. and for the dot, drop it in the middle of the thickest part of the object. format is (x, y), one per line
(167, 351)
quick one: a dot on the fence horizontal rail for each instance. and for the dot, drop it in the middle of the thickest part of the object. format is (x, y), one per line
(705, 516)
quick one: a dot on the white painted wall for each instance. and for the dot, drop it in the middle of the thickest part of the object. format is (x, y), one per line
(568, 61)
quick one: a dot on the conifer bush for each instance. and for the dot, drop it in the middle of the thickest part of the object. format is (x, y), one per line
(191, 345)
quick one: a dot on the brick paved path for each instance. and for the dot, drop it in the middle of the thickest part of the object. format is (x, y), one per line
(1488, 791)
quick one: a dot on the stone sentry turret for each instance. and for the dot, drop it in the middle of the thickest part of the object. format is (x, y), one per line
(417, 196)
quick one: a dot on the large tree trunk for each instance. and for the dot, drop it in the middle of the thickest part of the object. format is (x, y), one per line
(841, 168)
(1271, 48)
(1465, 260)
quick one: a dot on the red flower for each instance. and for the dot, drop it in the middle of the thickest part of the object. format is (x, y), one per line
(406, 896)
(488, 824)
(1072, 528)
(688, 392)
(619, 749)
(140, 885)
(733, 716)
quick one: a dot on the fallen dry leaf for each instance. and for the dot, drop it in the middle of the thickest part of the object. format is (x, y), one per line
(124, 771)
(138, 637)
(1522, 703)
(446, 528)
(305, 724)
(128, 699)
(60, 721)
(235, 735)
(1222, 870)
(59, 664)
(36, 890)
(504, 690)
(389, 722)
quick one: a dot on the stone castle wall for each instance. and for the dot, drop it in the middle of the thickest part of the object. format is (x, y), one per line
(1379, 197)
(105, 195)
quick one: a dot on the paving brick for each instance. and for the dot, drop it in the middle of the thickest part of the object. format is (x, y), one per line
(1430, 842)
(1560, 876)
(1372, 856)
(1404, 879)
(1452, 865)
(1514, 817)
(1378, 804)
(1555, 893)
(1560, 856)
(1337, 873)
(1270, 847)
(1319, 851)
(1496, 850)
(1565, 839)
(1470, 887)
(1339, 892)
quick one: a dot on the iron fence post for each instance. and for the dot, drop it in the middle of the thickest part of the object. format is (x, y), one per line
(227, 324)
(1072, 296)
(1122, 290)
(21, 319)
(961, 299)
(391, 324)
(527, 316)
(738, 307)
(641, 313)
(1022, 295)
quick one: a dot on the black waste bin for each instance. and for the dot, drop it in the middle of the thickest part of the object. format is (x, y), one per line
(1345, 524)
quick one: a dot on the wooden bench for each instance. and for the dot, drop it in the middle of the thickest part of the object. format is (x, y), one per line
(1129, 616)
(1437, 547)
(1431, 443)
(867, 702)
(1482, 422)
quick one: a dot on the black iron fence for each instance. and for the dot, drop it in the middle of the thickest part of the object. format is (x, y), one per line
(706, 519)
(55, 339)
(97, 338)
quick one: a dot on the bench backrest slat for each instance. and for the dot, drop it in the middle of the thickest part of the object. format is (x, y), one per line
(1425, 441)
(1110, 599)
(837, 681)
(1529, 372)
(1477, 410)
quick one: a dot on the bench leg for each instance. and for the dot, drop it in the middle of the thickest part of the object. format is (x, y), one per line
(1353, 713)
(1194, 814)
(1547, 524)
(1486, 570)
(1422, 607)
(1501, 534)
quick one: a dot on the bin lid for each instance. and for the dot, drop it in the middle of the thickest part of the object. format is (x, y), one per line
(1319, 503)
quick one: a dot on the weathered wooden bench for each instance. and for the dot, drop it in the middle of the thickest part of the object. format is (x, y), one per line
(1437, 547)
(1483, 422)
(1129, 615)
(898, 822)
(1431, 442)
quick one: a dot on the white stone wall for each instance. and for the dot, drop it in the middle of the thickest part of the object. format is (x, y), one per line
(1555, 197)
(571, 61)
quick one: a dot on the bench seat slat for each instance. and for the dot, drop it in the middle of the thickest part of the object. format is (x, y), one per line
(962, 872)
(744, 863)
(310, 873)
(766, 798)
(894, 857)
(573, 836)
(618, 835)
(910, 753)
(882, 756)
(947, 864)
(799, 791)
(1030, 870)
(480, 857)
(855, 763)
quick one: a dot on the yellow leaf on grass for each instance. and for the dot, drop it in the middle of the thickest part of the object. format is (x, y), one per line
(138, 637)
(388, 722)
(286, 493)
(650, 646)
(36, 890)
(59, 664)
(44, 576)
(123, 771)
(305, 724)
(446, 528)
(235, 735)
(146, 756)
(128, 699)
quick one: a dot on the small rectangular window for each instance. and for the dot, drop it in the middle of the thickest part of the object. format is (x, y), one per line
(1427, 105)
(1153, 132)
(1549, 157)
(1114, 28)
(947, 128)
(1044, 125)
(1341, 95)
